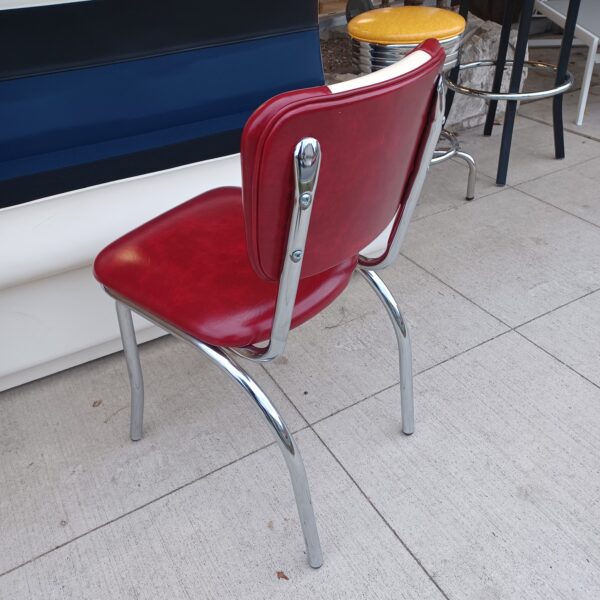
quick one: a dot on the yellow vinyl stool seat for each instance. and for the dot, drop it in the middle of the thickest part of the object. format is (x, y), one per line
(384, 36)
(406, 25)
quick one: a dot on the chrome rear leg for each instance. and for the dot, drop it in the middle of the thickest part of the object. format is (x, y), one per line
(404, 348)
(134, 369)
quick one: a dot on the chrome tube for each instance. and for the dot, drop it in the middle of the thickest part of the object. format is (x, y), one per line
(283, 436)
(416, 189)
(472, 173)
(402, 332)
(369, 57)
(307, 162)
(136, 380)
(516, 96)
(442, 154)
(287, 445)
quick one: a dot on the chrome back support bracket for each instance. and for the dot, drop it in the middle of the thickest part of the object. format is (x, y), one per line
(307, 162)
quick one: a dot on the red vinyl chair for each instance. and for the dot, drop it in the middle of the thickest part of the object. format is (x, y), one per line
(234, 267)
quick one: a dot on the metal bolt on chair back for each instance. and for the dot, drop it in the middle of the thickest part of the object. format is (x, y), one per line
(325, 171)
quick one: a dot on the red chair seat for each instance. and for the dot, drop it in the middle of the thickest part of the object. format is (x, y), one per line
(190, 268)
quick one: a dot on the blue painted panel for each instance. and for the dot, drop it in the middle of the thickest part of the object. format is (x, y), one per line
(60, 120)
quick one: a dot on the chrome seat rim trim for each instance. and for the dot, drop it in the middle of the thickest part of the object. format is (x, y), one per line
(410, 45)
(368, 56)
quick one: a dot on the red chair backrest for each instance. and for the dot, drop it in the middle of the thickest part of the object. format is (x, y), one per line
(371, 139)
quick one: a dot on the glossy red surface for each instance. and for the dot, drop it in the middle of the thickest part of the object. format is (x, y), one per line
(211, 266)
(190, 268)
(370, 142)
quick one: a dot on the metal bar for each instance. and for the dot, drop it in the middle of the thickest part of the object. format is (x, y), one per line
(515, 84)
(587, 80)
(402, 332)
(307, 162)
(553, 43)
(286, 442)
(401, 227)
(463, 11)
(517, 96)
(442, 154)
(561, 73)
(472, 173)
(509, 10)
(283, 436)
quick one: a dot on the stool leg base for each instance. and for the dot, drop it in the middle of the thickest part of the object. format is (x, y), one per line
(441, 155)
(472, 173)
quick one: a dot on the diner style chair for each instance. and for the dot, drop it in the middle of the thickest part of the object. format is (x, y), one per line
(324, 171)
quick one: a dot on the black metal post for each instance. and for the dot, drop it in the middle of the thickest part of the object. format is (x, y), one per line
(561, 73)
(509, 11)
(515, 84)
(464, 13)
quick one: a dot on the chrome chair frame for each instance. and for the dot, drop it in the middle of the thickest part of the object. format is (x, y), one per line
(307, 159)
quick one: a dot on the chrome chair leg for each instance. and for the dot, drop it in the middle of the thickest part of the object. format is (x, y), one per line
(404, 349)
(136, 380)
(283, 436)
(472, 173)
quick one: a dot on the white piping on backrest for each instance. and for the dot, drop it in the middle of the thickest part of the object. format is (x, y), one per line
(409, 63)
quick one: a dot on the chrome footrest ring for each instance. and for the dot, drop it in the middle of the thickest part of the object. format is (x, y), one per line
(442, 154)
(518, 96)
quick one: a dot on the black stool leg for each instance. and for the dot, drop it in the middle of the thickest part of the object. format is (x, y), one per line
(464, 13)
(509, 11)
(563, 64)
(515, 84)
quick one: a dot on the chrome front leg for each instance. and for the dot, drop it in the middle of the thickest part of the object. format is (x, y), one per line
(134, 369)
(283, 436)
(286, 442)
(404, 349)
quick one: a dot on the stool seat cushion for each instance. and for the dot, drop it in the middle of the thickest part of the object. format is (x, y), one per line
(406, 25)
(189, 267)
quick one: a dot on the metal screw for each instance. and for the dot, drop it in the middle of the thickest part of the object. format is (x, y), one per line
(305, 200)
(308, 155)
(296, 255)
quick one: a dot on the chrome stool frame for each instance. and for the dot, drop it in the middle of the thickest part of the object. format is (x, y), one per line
(516, 96)
(368, 56)
(442, 154)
